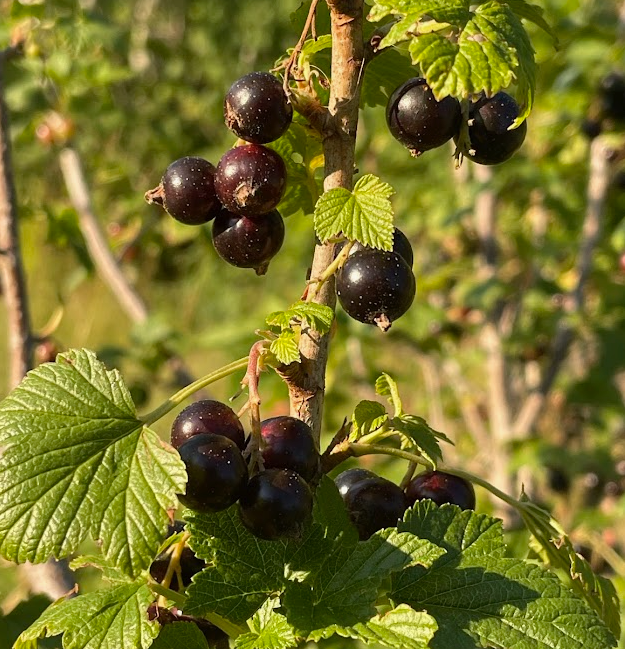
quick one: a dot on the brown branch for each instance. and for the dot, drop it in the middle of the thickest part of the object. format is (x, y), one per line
(51, 578)
(307, 381)
(597, 189)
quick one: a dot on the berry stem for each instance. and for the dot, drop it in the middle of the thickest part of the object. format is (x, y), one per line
(192, 388)
(251, 380)
(174, 566)
(317, 283)
(358, 450)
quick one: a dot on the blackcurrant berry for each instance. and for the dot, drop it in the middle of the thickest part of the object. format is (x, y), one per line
(401, 246)
(418, 120)
(346, 480)
(250, 180)
(187, 191)
(612, 96)
(257, 109)
(216, 472)
(375, 287)
(490, 119)
(276, 504)
(441, 488)
(288, 443)
(373, 504)
(207, 416)
(248, 242)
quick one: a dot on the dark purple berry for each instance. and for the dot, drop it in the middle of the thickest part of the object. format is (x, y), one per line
(250, 180)
(441, 488)
(401, 246)
(489, 119)
(216, 472)
(276, 504)
(187, 191)
(288, 443)
(418, 120)
(375, 287)
(346, 480)
(373, 504)
(257, 109)
(248, 242)
(207, 416)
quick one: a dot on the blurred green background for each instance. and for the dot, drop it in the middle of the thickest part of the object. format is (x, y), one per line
(131, 86)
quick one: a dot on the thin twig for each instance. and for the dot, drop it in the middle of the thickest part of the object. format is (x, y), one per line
(598, 184)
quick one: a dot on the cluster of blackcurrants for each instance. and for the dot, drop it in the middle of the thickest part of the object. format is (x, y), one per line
(241, 194)
(374, 503)
(421, 123)
(274, 503)
(608, 108)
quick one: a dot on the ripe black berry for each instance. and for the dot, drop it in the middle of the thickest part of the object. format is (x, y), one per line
(418, 120)
(373, 504)
(207, 416)
(441, 488)
(276, 504)
(250, 180)
(248, 242)
(375, 287)
(216, 472)
(257, 109)
(187, 191)
(288, 443)
(346, 480)
(401, 246)
(490, 119)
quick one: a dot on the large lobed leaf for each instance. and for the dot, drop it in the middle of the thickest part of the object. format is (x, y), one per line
(464, 47)
(107, 619)
(478, 596)
(79, 461)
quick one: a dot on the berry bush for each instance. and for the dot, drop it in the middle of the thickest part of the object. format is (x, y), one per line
(243, 530)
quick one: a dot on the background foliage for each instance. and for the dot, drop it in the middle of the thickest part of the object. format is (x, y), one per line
(133, 85)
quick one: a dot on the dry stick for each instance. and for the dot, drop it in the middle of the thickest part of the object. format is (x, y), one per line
(307, 381)
(53, 579)
(106, 264)
(598, 184)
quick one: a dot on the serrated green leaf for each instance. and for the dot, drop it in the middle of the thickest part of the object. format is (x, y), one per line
(330, 513)
(107, 619)
(401, 627)
(109, 572)
(318, 316)
(534, 14)
(79, 461)
(368, 416)
(302, 152)
(385, 386)
(244, 570)
(364, 215)
(312, 46)
(477, 595)
(382, 75)
(285, 348)
(343, 591)
(268, 630)
(180, 634)
(470, 48)
(419, 435)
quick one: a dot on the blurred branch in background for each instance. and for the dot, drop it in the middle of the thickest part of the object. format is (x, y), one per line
(51, 578)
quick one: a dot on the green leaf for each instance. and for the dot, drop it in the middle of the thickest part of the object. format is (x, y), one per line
(420, 436)
(109, 572)
(79, 461)
(478, 596)
(302, 153)
(107, 619)
(368, 416)
(462, 47)
(330, 513)
(268, 630)
(383, 75)
(364, 215)
(401, 627)
(534, 14)
(343, 591)
(285, 347)
(318, 316)
(385, 386)
(180, 634)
